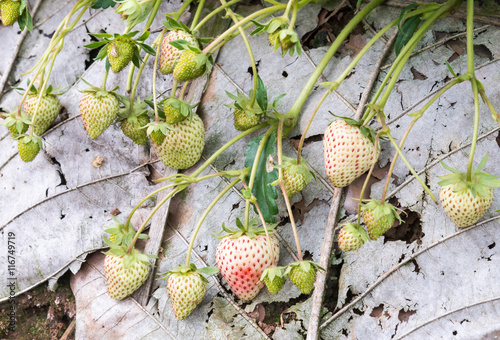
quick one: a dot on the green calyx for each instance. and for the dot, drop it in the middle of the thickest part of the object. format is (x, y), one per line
(355, 230)
(280, 35)
(251, 230)
(120, 234)
(305, 266)
(185, 270)
(293, 168)
(133, 11)
(244, 103)
(273, 272)
(381, 210)
(131, 112)
(158, 130)
(36, 90)
(367, 131)
(129, 258)
(17, 124)
(203, 61)
(177, 110)
(99, 92)
(478, 184)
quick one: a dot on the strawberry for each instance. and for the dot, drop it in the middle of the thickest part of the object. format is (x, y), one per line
(351, 237)
(119, 234)
(125, 272)
(465, 200)
(378, 217)
(120, 52)
(242, 256)
(170, 55)
(9, 11)
(134, 120)
(186, 287)
(48, 110)
(98, 108)
(348, 151)
(244, 121)
(191, 65)
(177, 110)
(303, 275)
(274, 279)
(29, 147)
(182, 146)
(295, 176)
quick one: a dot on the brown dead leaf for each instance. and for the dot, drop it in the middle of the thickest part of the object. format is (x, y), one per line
(97, 162)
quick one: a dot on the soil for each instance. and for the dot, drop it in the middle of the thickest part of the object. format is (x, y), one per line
(41, 314)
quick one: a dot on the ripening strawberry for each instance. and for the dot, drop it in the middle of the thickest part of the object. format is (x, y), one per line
(189, 67)
(242, 260)
(170, 55)
(348, 153)
(125, 278)
(186, 290)
(378, 217)
(133, 128)
(29, 147)
(465, 200)
(351, 237)
(182, 146)
(303, 275)
(48, 111)
(243, 121)
(9, 11)
(120, 52)
(98, 109)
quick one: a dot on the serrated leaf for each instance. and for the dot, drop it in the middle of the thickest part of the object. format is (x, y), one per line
(265, 194)
(104, 4)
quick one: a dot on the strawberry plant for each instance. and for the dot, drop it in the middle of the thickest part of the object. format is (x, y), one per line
(173, 127)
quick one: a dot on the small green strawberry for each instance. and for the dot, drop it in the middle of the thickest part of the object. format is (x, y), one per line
(17, 124)
(120, 234)
(120, 52)
(170, 55)
(191, 65)
(281, 35)
(9, 11)
(303, 275)
(98, 108)
(295, 176)
(465, 200)
(125, 272)
(379, 217)
(246, 114)
(29, 147)
(243, 121)
(157, 131)
(183, 145)
(134, 120)
(351, 237)
(186, 287)
(274, 278)
(48, 110)
(177, 110)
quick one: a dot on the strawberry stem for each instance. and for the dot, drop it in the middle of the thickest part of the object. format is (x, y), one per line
(105, 79)
(368, 176)
(155, 68)
(205, 214)
(294, 15)
(264, 225)
(471, 71)
(213, 13)
(201, 5)
(181, 95)
(283, 189)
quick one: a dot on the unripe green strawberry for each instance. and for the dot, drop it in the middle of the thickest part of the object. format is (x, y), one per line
(185, 292)
(9, 11)
(351, 237)
(348, 153)
(173, 114)
(14, 131)
(98, 109)
(133, 128)
(294, 181)
(29, 147)
(378, 217)
(243, 121)
(170, 55)
(187, 67)
(303, 275)
(120, 52)
(124, 280)
(182, 146)
(274, 279)
(157, 137)
(47, 111)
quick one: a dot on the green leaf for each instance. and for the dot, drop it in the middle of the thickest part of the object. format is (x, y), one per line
(104, 4)
(406, 30)
(261, 94)
(96, 44)
(265, 194)
(208, 270)
(148, 49)
(25, 19)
